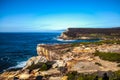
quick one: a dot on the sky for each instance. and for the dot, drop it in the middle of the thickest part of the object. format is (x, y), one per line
(46, 15)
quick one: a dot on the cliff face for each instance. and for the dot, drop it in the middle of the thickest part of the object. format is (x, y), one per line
(91, 33)
(68, 57)
(68, 51)
(52, 52)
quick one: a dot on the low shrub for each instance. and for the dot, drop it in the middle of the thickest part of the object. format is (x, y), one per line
(72, 75)
(115, 57)
(94, 76)
(43, 67)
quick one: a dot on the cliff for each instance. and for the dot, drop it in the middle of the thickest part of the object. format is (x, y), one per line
(91, 33)
(75, 50)
(54, 62)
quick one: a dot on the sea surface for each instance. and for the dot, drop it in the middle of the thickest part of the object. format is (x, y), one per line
(17, 48)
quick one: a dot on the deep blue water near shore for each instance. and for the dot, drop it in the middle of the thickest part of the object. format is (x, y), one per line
(17, 48)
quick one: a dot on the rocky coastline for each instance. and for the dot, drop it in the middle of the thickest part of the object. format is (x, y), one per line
(91, 33)
(61, 61)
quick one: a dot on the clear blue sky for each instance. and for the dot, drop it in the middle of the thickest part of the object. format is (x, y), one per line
(43, 15)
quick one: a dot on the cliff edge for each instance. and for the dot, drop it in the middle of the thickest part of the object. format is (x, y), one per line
(55, 62)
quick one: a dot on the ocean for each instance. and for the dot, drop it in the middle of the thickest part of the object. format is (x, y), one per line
(17, 48)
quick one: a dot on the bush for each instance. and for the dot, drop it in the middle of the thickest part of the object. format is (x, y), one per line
(117, 75)
(43, 67)
(94, 76)
(115, 57)
(102, 42)
(75, 44)
(34, 66)
(71, 75)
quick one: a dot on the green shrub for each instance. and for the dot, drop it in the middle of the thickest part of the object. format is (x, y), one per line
(75, 44)
(86, 77)
(72, 75)
(34, 66)
(115, 57)
(103, 42)
(81, 76)
(117, 75)
(43, 67)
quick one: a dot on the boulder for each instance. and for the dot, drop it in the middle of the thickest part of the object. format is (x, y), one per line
(59, 63)
(55, 78)
(65, 78)
(50, 72)
(24, 76)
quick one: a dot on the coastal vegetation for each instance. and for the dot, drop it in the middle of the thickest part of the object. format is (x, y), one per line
(115, 57)
(93, 76)
(100, 42)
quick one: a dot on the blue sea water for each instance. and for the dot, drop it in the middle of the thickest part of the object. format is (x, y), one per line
(17, 48)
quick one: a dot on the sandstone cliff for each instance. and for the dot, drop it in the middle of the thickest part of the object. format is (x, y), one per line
(56, 52)
(55, 61)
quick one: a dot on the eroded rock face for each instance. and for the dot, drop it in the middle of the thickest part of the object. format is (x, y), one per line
(59, 63)
(64, 51)
(67, 52)
(35, 62)
(43, 50)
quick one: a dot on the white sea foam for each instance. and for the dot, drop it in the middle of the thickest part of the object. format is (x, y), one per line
(41, 44)
(65, 40)
(19, 65)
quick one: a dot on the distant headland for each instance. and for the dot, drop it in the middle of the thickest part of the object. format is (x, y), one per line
(91, 33)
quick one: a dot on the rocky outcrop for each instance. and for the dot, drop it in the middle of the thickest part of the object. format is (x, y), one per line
(68, 51)
(47, 51)
(53, 52)
(59, 63)
(91, 33)
(55, 60)
(35, 62)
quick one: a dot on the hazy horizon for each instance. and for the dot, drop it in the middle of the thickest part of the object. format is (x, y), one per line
(52, 15)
